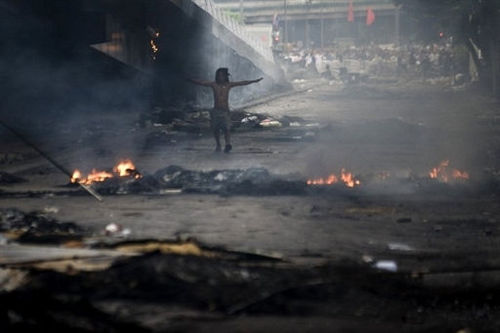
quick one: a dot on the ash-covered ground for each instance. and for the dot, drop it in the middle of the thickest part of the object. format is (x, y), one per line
(400, 251)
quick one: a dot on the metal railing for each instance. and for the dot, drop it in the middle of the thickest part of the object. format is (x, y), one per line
(235, 27)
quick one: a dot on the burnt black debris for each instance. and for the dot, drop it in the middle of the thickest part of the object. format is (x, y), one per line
(158, 284)
(197, 121)
(259, 181)
(37, 227)
(253, 181)
(8, 179)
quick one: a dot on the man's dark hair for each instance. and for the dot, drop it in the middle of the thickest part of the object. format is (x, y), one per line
(222, 75)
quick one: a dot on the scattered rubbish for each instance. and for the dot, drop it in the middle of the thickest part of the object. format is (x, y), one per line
(404, 220)
(171, 191)
(309, 134)
(291, 121)
(367, 259)
(3, 240)
(386, 265)
(116, 230)
(399, 247)
(438, 228)
(51, 210)
(11, 279)
(220, 177)
(250, 119)
(270, 123)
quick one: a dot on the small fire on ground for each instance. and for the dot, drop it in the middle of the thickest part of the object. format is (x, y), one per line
(444, 173)
(345, 177)
(123, 169)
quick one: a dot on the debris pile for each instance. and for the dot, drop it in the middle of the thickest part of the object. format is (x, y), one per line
(253, 181)
(189, 289)
(188, 120)
(116, 285)
(36, 227)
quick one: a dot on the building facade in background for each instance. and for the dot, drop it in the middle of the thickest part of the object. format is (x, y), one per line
(320, 23)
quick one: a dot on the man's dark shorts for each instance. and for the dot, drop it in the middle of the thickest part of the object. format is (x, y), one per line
(220, 119)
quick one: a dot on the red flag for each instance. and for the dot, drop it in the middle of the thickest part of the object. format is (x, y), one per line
(350, 12)
(370, 16)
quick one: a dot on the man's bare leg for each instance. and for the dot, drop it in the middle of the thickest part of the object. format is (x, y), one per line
(217, 139)
(227, 139)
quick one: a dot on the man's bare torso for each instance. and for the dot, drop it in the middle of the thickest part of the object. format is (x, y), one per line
(221, 91)
(221, 95)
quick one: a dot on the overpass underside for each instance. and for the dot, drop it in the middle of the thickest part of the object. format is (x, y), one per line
(163, 41)
(177, 39)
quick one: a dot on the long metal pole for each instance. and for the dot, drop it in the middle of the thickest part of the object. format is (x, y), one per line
(397, 24)
(285, 5)
(322, 29)
(241, 11)
(307, 34)
(50, 159)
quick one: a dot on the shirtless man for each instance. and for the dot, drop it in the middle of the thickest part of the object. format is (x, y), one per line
(219, 115)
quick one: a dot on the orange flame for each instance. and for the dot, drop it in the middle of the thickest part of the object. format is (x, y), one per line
(442, 173)
(98, 176)
(154, 46)
(457, 174)
(77, 175)
(123, 169)
(349, 179)
(346, 177)
(332, 179)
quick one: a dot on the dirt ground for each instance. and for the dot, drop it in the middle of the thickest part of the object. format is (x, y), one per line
(400, 128)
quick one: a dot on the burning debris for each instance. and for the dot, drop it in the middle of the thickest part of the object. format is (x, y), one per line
(153, 42)
(445, 174)
(345, 177)
(125, 179)
(123, 169)
(441, 173)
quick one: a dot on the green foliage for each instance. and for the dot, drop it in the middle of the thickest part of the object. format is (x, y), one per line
(235, 15)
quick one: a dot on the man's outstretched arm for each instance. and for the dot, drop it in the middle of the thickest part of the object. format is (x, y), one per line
(201, 82)
(244, 83)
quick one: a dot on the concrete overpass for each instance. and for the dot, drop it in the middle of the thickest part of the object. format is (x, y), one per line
(201, 15)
